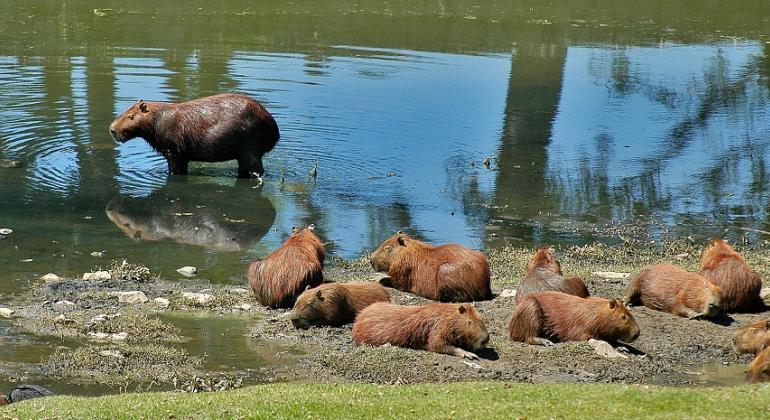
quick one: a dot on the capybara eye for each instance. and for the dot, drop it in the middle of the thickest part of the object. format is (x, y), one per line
(130, 117)
(623, 317)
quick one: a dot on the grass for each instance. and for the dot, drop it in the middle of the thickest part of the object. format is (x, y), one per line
(453, 400)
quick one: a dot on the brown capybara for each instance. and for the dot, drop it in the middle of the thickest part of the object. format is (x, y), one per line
(544, 317)
(544, 274)
(741, 285)
(667, 288)
(456, 329)
(759, 368)
(278, 279)
(447, 273)
(335, 304)
(211, 129)
(752, 338)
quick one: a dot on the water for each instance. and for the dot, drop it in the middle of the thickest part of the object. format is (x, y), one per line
(593, 112)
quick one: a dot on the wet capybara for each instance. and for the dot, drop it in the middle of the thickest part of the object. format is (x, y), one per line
(335, 304)
(211, 129)
(447, 273)
(759, 368)
(544, 317)
(278, 279)
(667, 288)
(455, 329)
(752, 338)
(741, 285)
(544, 274)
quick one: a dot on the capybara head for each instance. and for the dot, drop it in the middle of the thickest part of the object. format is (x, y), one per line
(310, 308)
(715, 252)
(752, 338)
(714, 303)
(545, 257)
(617, 322)
(472, 330)
(133, 122)
(759, 368)
(389, 251)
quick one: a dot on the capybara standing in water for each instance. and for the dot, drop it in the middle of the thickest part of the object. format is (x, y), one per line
(667, 288)
(759, 368)
(544, 274)
(278, 279)
(211, 129)
(544, 317)
(456, 329)
(741, 285)
(448, 273)
(752, 338)
(335, 304)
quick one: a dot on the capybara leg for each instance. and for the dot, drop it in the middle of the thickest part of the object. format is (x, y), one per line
(686, 312)
(437, 344)
(633, 292)
(539, 341)
(249, 164)
(177, 166)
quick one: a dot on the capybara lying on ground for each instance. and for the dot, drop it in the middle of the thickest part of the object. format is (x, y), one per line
(455, 329)
(211, 129)
(752, 338)
(544, 274)
(759, 368)
(544, 317)
(278, 279)
(448, 273)
(740, 284)
(667, 288)
(335, 304)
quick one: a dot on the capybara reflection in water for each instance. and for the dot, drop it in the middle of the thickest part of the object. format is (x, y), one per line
(211, 129)
(544, 317)
(456, 329)
(667, 288)
(448, 273)
(752, 338)
(759, 368)
(544, 274)
(335, 304)
(278, 279)
(740, 284)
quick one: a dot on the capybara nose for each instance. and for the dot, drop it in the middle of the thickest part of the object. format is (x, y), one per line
(299, 323)
(485, 341)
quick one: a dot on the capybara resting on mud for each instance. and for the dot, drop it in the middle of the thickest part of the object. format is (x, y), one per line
(456, 329)
(211, 129)
(544, 274)
(278, 279)
(448, 273)
(544, 317)
(667, 288)
(759, 368)
(335, 304)
(752, 338)
(740, 284)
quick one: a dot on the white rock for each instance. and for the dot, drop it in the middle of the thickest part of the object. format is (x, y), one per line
(240, 291)
(97, 254)
(508, 293)
(6, 312)
(98, 318)
(187, 270)
(112, 353)
(133, 297)
(242, 306)
(473, 365)
(121, 336)
(99, 275)
(200, 298)
(50, 278)
(604, 349)
(610, 274)
(6, 231)
(765, 292)
(64, 303)
(98, 335)
(62, 319)
(161, 302)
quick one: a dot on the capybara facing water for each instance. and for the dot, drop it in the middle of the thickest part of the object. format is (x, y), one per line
(740, 284)
(752, 338)
(448, 273)
(759, 368)
(278, 279)
(544, 274)
(335, 304)
(211, 129)
(544, 317)
(667, 288)
(456, 329)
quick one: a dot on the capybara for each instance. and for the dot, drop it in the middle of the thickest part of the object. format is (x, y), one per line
(335, 304)
(740, 284)
(448, 273)
(278, 279)
(752, 338)
(544, 317)
(759, 368)
(456, 329)
(211, 129)
(544, 274)
(667, 288)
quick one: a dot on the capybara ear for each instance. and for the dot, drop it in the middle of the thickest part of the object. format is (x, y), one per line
(311, 227)
(551, 249)
(142, 105)
(767, 324)
(400, 232)
(319, 295)
(461, 309)
(294, 230)
(613, 303)
(401, 240)
(307, 287)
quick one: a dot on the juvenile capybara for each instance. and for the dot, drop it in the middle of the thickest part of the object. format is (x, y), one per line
(664, 287)
(752, 338)
(278, 279)
(759, 368)
(456, 329)
(211, 129)
(335, 304)
(544, 274)
(447, 273)
(741, 285)
(544, 317)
